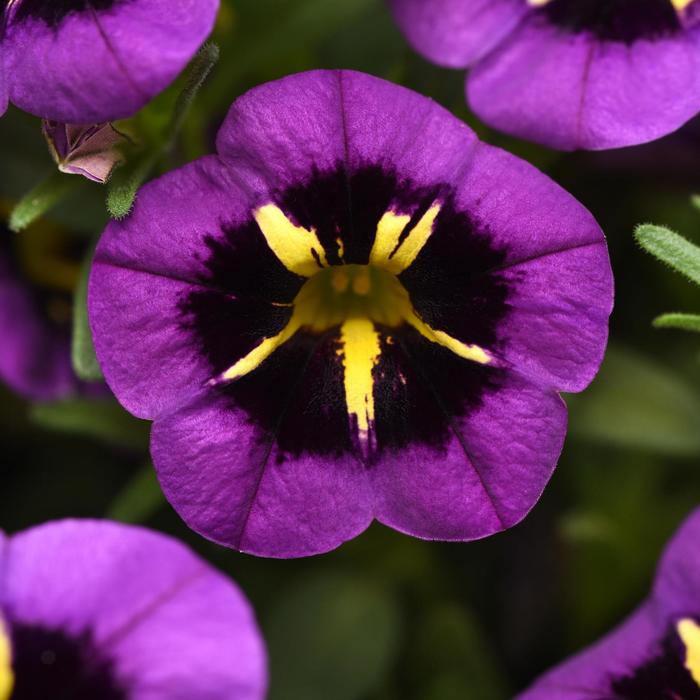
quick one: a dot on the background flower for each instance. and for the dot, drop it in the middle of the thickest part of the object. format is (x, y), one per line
(87, 62)
(656, 652)
(298, 393)
(602, 74)
(94, 609)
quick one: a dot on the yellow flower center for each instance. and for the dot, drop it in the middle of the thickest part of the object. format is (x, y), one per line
(356, 299)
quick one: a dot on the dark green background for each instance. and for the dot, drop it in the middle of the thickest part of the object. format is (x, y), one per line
(387, 617)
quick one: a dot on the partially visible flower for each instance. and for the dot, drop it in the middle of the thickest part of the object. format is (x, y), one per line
(355, 310)
(38, 273)
(91, 151)
(92, 61)
(95, 610)
(655, 653)
(589, 74)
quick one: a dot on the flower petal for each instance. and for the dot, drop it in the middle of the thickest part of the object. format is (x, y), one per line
(104, 64)
(455, 33)
(232, 482)
(173, 627)
(589, 674)
(569, 90)
(487, 474)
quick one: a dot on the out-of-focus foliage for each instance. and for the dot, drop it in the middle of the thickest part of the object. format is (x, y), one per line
(387, 617)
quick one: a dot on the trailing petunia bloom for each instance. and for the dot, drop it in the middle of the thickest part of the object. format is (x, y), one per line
(95, 610)
(569, 74)
(38, 273)
(655, 653)
(354, 310)
(92, 61)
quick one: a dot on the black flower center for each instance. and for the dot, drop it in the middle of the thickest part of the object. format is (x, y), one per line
(53, 12)
(355, 312)
(615, 20)
(50, 664)
(668, 674)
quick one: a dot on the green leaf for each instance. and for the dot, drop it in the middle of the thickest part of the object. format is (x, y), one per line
(125, 182)
(670, 248)
(49, 192)
(685, 322)
(331, 636)
(103, 419)
(636, 402)
(140, 499)
(695, 201)
(82, 348)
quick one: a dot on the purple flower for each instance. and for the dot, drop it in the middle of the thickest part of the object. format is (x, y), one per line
(95, 610)
(569, 74)
(354, 310)
(38, 272)
(85, 62)
(655, 653)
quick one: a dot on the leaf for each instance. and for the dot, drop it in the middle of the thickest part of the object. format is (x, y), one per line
(331, 636)
(140, 499)
(83, 356)
(695, 201)
(103, 419)
(638, 403)
(670, 248)
(49, 192)
(685, 322)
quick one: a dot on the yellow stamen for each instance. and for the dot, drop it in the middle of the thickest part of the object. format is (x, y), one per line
(297, 248)
(680, 5)
(386, 254)
(7, 678)
(689, 632)
(467, 352)
(260, 353)
(360, 350)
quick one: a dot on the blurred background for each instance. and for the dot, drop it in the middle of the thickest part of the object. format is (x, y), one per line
(387, 617)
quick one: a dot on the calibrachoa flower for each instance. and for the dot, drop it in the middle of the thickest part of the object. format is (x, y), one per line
(94, 610)
(354, 310)
(655, 653)
(567, 73)
(38, 272)
(91, 61)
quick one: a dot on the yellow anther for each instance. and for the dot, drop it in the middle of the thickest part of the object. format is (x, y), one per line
(362, 284)
(339, 280)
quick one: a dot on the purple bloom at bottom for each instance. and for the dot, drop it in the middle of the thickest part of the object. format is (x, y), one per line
(95, 610)
(354, 310)
(91, 61)
(569, 74)
(38, 272)
(655, 653)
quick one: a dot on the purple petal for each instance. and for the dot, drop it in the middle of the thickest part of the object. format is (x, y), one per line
(589, 674)
(173, 627)
(455, 33)
(233, 484)
(100, 65)
(678, 579)
(34, 354)
(570, 91)
(466, 491)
